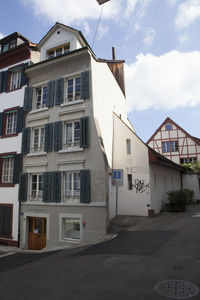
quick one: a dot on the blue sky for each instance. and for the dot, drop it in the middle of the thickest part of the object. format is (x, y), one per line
(158, 39)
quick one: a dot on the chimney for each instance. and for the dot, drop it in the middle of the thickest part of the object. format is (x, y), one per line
(113, 53)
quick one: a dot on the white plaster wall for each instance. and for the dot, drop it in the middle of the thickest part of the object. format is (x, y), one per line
(131, 202)
(55, 40)
(162, 180)
(108, 97)
(192, 182)
(9, 195)
(12, 144)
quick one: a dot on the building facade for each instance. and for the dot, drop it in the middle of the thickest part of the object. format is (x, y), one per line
(175, 143)
(16, 53)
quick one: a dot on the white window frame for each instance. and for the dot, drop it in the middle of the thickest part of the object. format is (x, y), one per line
(70, 216)
(71, 194)
(73, 96)
(54, 50)
(43, 101)
(15, 79)
(11, 122)
(41, 136)
(7, 169)
(38, 194)
(73, 143)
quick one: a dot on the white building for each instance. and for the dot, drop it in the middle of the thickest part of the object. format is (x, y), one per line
(16, 52)
(76, 132)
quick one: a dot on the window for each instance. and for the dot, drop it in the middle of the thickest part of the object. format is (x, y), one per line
(72, 134)
(36, 186)
(73, 89)
(128, 146)
(12, 44)
(71, 185)
(15, 79)
(168, 126)
(38, 139)
(41, 97)
(7, 169)
(11, 122)
(57, 51)
(71, 228)
(170, 146)
(130, 185)
(188, 160)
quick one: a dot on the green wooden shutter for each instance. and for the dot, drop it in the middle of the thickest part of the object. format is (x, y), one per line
(85, 186)
(85, 132)
(20, 119)
(48, 141)
(4, 82)
(59, 91)
(85, 86)
(56, 187)
(47, 186)
(50, 93)
(26, 140)
(17, 168)
(1, 123)
(57, 136)
(28, 95)
(24, 79)
(23, 187)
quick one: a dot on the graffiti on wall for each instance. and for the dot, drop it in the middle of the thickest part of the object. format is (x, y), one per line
(140, 186)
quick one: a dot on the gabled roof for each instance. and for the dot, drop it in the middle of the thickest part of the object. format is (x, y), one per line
(168, 120)
(75, 31)
(15, 35)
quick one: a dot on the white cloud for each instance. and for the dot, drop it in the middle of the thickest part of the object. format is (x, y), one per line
(172, 2)
(149, 37)
(71, 11)
(163, 82)
(188, 12)
(102, 30)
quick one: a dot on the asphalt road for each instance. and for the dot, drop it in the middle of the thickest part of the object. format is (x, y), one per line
(127, 267)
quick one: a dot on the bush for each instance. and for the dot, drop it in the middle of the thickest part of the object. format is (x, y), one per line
(177, 200)
(189, 195)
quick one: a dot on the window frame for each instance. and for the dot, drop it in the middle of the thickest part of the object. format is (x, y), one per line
(73, 196)
(79, 218)
(9, 82)
(2, 156)
(54, 49)
(188, 160)
(73, 144)
(168, 126)
(41, 139)
(168, 148)
(74, 98)
(6, 112)
(42, 104)
(38, 196)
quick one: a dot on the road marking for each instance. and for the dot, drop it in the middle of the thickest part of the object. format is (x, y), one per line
(197, 215)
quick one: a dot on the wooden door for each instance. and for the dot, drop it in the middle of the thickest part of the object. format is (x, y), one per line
(36, 233)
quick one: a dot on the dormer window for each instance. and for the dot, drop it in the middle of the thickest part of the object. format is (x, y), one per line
(57, 51)
(12, 44)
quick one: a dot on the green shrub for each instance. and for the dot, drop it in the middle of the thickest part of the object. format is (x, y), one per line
(189, 195)
(177, 200)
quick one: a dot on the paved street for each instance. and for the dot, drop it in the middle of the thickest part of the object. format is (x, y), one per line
(127, 267)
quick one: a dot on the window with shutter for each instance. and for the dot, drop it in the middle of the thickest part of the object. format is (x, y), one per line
(10, 168)
(28, 95)
(11, 122)
(85, 132)
(85, 86)
(85, 186)
(48, 140)
(47, 186)
(59, 91)
(37, 139)
(50, 93)
(26, 140)
(71, 186)
(58, 136)
(56, 187)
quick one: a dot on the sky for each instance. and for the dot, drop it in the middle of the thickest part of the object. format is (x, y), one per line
(158, 39)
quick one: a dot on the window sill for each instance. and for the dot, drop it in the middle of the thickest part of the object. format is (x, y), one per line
(38, 110)
(9, 91)
(7, 184)
(9, 135)
(36, 154)
(68, 103)
(72, 149)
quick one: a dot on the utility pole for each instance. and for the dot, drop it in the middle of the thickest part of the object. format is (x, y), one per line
(102, 1)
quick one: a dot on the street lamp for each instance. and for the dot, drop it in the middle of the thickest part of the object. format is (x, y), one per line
(102, 1)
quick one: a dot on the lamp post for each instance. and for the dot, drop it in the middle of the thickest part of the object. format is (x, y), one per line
(102, 1)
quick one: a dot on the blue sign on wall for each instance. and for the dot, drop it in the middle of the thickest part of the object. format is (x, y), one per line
(117, 176)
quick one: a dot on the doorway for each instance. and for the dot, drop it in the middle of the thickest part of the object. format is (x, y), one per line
(36, 233)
